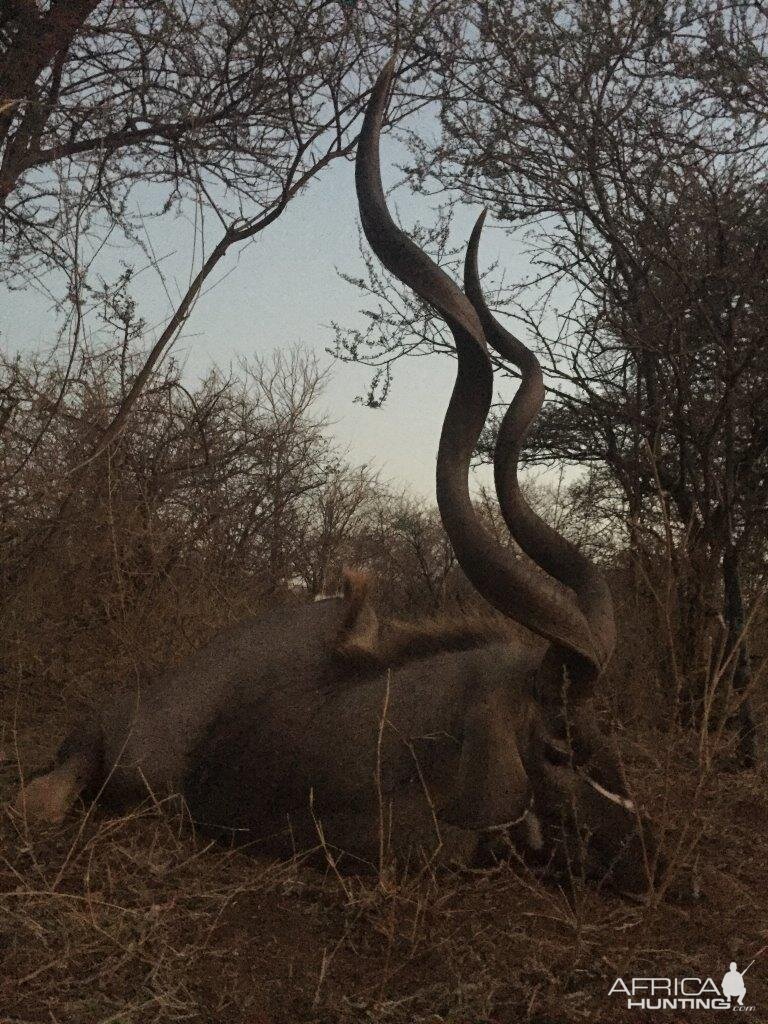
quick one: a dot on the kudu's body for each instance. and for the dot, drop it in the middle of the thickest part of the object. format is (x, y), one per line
(289, 732)
(319, 726)
(274, 734)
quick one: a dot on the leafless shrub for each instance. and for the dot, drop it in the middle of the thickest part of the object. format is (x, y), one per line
(190, 521)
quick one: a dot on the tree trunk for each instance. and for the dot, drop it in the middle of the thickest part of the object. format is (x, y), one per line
(737, 649)
(695, 626)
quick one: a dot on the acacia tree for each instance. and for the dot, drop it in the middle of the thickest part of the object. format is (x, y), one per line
(629, 139)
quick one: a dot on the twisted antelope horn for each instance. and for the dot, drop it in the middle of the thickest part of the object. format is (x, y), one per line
(556, 555)
(510, 586)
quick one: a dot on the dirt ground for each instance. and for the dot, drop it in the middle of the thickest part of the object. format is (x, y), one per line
(139, 920)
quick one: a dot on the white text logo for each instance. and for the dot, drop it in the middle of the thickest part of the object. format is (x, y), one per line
(685, 993)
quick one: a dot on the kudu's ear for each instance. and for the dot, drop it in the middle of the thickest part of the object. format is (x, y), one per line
(492, 787)
(358, 637)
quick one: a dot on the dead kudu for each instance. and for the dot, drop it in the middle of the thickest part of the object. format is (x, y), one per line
(322, 724)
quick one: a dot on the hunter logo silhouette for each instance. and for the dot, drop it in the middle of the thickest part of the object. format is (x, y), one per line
(733, 983)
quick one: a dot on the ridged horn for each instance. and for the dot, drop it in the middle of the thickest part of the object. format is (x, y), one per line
(506, 582)
(556, 555)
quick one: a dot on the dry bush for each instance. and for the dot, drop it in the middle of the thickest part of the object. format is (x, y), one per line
(189, 522)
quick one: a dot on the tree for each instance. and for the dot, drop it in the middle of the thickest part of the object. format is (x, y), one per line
(239, 104)
(335, 517)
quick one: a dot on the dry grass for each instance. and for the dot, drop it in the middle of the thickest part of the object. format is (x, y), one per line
(140, 920)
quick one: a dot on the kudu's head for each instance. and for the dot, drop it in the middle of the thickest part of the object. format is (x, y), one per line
(572, 769)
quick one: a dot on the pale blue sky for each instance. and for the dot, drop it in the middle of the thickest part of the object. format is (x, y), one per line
(282, 290)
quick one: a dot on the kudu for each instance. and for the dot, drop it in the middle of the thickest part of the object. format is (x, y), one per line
(320, 725)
